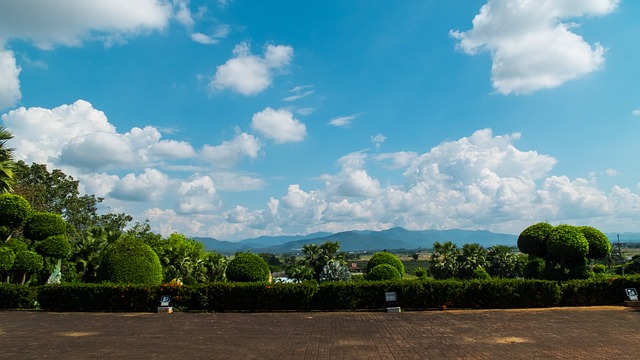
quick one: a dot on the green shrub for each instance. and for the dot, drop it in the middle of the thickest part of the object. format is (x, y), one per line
(7, 257)
(41, 225)
(17, 296)
(580, 272)
(57, 247)
(97, 297)
(14, 210)
(599, 269)
(259, 296)
(246, 267)
(566, 242)
(421, 272)
(130, 261)
(27, 261)
(532, 240)
(384, 257)
(481, 274)
(383, 272)
(599, 244)
(533, 268)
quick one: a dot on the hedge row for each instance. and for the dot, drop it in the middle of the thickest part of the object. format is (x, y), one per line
(366, 295)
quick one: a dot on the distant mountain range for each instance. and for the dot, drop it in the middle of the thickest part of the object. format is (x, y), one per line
(391, 239)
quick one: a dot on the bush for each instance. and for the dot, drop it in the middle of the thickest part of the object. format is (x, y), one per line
(599, 244)
(599, 269)
(14, 210)
(17, 296)
(7, 257)
(130, 261)
(383, 272)
(57, 247)
(246, 267)
(384, 257)
(533, 268)
(567, 242)
(41, 225)
(532, 240)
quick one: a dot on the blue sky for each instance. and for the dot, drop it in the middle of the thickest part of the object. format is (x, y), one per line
(235, 119)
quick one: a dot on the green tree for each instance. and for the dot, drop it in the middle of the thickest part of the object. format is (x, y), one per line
(130, 261)
(567, 244)
(87, 252)
(502, 262)
(14, 211)
(384, 257)
(317, 256)
(58, 193)
(599, 244)
(384, 272)
(471, 258)
(27, 262)
(7, 165)
(444, 263)
(533, 240)
(7, 258)
(247, 267)
(40, 225)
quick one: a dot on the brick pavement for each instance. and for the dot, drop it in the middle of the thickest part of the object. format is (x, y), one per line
(560, 333)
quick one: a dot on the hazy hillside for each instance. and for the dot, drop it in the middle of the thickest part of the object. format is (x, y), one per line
(395, 238)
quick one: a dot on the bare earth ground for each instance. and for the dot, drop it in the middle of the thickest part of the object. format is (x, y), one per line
(559, 333)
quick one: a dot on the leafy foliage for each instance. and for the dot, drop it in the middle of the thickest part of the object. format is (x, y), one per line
(384, 257)
(472, 257)
(41, 225)
(7, 257)
(56, 246)
(444, 263)
(247, 267)
(335, 271)
(130, 261)
(317, 256)
(384, 272)
(566, 242)
(502, 262)
(533, 240)
(14, 210)
(599, 244)
(7, 166)
(27, 262)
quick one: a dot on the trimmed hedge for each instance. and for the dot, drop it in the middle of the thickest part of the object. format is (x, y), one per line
(17, 296)
(247, 267)
(40, 225)
(130, 261)
(384, 257)
(329, 296)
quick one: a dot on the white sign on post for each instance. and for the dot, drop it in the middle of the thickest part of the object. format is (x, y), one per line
(632, 294)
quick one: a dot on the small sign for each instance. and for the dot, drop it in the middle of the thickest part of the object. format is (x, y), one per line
(632, 294)
(391, 298)
(164, 300)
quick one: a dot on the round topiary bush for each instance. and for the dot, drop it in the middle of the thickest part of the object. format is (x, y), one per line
(246, 267)
(28, 261)
(566, 242)
(599, 269)
(41, 225)
(57, 247)
(14, 210)
(533, 240)
(384, 272)
(599, 244)
(130, 261)
(7, 257)
(384, 257)
(533, 268)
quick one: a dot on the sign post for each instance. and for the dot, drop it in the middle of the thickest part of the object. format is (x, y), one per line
(164, 307)
(391, 299)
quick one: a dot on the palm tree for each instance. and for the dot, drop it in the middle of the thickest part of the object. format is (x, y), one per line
(444, 263)
(7, 166)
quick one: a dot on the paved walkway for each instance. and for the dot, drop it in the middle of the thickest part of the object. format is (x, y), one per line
(567, 333)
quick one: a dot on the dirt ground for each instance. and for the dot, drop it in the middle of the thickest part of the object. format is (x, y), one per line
(558, 333)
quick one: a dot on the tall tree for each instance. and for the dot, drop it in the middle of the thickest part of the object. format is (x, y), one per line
(444, 263)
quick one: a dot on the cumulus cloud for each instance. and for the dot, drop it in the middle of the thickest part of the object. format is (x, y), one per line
(172, 149)
(353, 180)
(396, 160)
(10, 92)
(147, 186)
(249, 74)
(197, 196)
(71, 22)
(278, 125)
(531, 47)
(230, 152)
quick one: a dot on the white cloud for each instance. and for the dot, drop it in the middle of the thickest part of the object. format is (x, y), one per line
(9, 83)
(636, 112)
(248, 74)
(148, 186)
(234, 182)
(353, 180)
(98, 184)
(398, 160)
(171, 149)
(70, 22)
(230, 152)
(221, 32)
(197, 196)
(343, 121)
(278, 125)
(183, 13)
(531, 47)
